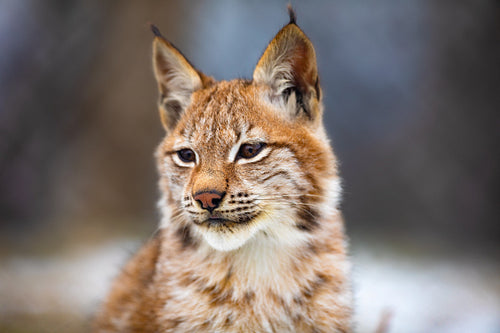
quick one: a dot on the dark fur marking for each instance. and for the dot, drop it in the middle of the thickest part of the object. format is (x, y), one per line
(312, 248)
(297, 319)
(229, 320)
(219, 298)
(184, 234)
(299, 99)
(319, 281)
(304, 227)
(173, 323)
(298, 300)
(318, 90)
(299, 96)
(308, 219)
(228, 275)
(239, 209)
(247, 217)
(315, 186)
(238, 136)
(286, 175)
(220, 293)
(174, 110)
(285, 306)
(276, 174)
(249, 296)
(246, 82)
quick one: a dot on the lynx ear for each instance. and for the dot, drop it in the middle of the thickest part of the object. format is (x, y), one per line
(177, 80)
(288, 66)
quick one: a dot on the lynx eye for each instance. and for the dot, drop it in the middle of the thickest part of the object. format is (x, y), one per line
(250, 150)
(186, 155)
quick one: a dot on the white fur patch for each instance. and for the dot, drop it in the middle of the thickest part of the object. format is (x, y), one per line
(333, 195)
(234, 149)
(225, 241)
(166, 212)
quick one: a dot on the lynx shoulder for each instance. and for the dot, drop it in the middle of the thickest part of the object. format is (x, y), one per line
(251, 238)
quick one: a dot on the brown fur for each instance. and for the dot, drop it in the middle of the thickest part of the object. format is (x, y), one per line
(277, 261)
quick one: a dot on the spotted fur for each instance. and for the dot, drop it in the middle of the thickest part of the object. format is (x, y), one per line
(270, 254)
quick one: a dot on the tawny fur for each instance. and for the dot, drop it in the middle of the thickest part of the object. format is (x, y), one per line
(278, 262)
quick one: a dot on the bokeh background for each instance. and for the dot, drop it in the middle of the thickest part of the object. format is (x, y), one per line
(412, 96)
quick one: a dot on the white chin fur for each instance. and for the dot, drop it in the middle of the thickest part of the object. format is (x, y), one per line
(223, 241)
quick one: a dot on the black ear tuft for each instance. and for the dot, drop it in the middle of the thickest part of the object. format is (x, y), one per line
(155, 30)
(291, 13)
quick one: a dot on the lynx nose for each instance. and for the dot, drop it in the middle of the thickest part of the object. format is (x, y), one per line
(209, 200)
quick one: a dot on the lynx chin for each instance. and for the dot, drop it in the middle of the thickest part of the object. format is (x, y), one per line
(251, 238)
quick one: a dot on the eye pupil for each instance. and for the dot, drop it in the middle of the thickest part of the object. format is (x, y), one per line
(250, 150)
(186, 155)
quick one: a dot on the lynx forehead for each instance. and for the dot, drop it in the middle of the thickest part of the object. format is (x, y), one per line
(251, 238)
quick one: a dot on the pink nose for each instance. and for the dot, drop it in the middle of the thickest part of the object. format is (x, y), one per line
(209, 199)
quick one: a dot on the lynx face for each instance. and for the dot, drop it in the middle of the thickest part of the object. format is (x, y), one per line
(245, 159)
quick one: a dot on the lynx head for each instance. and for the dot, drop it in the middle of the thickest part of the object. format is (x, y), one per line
(246, 159)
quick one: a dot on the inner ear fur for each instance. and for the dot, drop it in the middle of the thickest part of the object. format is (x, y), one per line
(288, 66)
(177, 80)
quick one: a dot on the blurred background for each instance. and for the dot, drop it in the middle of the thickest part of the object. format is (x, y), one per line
(412, 96)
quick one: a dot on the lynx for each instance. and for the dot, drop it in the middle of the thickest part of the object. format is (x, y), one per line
(251, 237)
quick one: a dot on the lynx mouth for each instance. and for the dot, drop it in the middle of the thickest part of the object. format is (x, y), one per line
(226, 233)
(217, 221)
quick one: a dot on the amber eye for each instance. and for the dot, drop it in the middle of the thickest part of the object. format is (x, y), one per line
(250, 150)
(186, 155)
